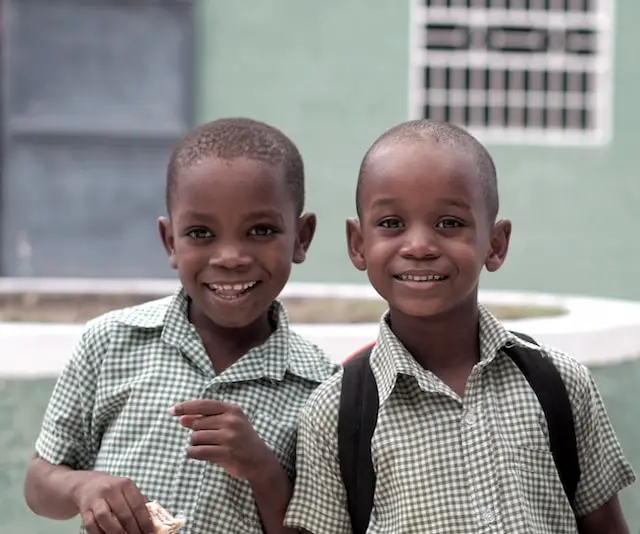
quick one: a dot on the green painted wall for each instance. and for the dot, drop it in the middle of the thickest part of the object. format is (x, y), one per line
(334, 75)
(576, 211)
(22, 405)
(328, 76)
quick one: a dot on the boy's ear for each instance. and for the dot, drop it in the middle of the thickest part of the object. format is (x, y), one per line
(304, 235)
(166, 236)
(354, 244)
(500, 236)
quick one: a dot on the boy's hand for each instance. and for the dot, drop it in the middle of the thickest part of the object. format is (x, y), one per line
(112, 505)
(223, 435)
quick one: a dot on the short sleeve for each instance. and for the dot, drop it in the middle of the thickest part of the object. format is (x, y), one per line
(604, 469)
(319, 502)
(65, 436)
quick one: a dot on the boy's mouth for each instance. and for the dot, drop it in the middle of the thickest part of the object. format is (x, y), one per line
(232, 291)
(420, 278)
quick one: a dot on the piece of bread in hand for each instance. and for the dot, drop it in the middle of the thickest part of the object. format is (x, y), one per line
(163, 521)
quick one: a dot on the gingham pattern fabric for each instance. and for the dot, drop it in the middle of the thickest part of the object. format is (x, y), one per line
(109, 410)
(451, 465)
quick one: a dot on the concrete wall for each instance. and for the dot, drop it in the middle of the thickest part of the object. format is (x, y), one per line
(334, 75)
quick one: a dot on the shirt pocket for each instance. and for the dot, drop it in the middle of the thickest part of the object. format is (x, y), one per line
(542, 497)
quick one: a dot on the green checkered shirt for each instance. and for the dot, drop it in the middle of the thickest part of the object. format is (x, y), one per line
(451, 465)
(109, 410)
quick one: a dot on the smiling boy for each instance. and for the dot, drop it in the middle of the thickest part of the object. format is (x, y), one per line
(461, 444)
(192, 400)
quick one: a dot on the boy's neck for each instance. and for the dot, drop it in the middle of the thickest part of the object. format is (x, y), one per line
(225, 346)
(446, 345)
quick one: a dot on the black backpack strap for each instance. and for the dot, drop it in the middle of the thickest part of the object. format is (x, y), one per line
(546, 382)
(356, 422)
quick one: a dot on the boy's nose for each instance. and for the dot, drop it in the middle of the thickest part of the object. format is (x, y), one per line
(420, 244)
(230, 257)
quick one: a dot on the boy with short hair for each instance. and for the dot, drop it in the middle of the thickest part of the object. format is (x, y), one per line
(191, 401)
(461, 444)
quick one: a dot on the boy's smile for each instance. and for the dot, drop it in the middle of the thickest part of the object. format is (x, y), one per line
(420, 278)
(233, 236)
(232, 290)
(424, 234)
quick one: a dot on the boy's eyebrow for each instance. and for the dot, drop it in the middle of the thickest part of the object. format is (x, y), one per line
(204, 217)
(457, 203)
(383, 201)
(255, 215)
(387, 201)
(265, 214)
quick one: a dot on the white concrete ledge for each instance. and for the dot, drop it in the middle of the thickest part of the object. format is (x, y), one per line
(595, 331)
(88, 286)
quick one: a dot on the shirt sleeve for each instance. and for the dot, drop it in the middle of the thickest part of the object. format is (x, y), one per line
(65, 436)
(604, 469)
(319, 502)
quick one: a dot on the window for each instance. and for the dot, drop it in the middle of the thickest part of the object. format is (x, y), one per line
(514, 71)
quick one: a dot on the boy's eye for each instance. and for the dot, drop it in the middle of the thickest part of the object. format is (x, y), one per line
(391, 224)
(199, 233)
(262, 231)
(449, 223)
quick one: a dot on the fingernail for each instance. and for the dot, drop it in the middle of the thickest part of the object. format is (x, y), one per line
(172, 410)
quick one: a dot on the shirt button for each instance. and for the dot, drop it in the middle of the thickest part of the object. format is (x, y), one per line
(470, 418)
(488, 516)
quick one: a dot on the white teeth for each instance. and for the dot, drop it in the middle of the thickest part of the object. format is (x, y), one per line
(425, 278)
(232, 287)
(231, 291)
(227, 297)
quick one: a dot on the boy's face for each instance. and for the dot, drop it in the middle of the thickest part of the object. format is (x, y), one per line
(425, 232)
(233, 235)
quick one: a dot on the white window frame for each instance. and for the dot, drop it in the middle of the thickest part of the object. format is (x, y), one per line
(600, 64)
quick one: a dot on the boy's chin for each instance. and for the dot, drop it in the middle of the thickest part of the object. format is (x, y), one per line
(421, 309)
(233, 320)
(231, 313)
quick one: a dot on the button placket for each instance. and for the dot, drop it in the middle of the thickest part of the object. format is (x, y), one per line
(477, 447)
(194, 471)
(470, 418)
(488, 516)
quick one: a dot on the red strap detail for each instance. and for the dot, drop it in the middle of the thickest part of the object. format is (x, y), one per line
(359, 351)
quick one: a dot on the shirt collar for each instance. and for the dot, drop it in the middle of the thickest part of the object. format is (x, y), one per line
(284, 351)
(390, 358)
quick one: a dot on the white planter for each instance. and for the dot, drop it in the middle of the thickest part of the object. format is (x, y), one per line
(595, 331)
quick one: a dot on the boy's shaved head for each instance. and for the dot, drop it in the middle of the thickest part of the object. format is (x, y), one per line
(446, 135)
(239, 137)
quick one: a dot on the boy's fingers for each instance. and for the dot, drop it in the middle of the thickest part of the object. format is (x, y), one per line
(201, 407)
(138, 505)
(209, 453)
(89, 522)
(209, 437)
(188, 421)
(211, 422)
(106, 520)
(123, 511)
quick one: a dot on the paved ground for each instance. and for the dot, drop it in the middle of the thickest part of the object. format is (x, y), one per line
(22, 404)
